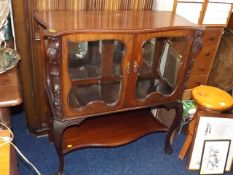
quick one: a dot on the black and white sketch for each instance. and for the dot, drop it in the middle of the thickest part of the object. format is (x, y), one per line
(211, 128)
(214, 157)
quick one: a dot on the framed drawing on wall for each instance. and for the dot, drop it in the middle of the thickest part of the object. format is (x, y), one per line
(210, 127)
(214, 156)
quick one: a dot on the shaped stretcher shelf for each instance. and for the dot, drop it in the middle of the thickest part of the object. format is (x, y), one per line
(112, 130)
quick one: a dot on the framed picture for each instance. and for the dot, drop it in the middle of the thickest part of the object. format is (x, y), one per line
(214, 156)
(210, 127)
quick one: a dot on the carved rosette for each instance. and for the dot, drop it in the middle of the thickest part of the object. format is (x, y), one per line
(197, 43)
(54, 56)
(196, 47)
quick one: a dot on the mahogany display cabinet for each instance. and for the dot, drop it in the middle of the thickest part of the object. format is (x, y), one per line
(105, 70)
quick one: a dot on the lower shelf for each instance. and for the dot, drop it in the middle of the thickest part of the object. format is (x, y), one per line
(111, 130)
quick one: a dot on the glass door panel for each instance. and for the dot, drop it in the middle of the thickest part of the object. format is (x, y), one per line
(95, 71)
(161, 60)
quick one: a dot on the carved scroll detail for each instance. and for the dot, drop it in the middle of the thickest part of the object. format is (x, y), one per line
(54, 56)
(197, 43)
(196, 47)
(58, 129)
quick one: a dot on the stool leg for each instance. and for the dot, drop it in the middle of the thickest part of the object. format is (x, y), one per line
(188, 139)
(177, 119)
(5, 116)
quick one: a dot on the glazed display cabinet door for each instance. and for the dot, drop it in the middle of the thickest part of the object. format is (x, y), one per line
(94, 68)
(159, 67)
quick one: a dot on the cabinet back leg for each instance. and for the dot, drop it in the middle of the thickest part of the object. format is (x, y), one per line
(177, 119)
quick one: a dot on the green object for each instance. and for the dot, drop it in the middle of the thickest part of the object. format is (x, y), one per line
(9, 58)
(189, 108)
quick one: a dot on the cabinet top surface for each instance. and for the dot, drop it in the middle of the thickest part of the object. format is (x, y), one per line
(61, 22)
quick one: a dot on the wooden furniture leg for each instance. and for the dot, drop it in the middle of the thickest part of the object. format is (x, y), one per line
(188, 139)
(177, 119)
(5, 116)
(58, 130)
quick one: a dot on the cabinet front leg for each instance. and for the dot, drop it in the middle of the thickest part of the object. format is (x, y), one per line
(177, 119)
(58, 128)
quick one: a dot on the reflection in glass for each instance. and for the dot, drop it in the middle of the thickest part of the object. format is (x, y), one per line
(108, 92)
(162, 58)
(91, 59)
(95, 70)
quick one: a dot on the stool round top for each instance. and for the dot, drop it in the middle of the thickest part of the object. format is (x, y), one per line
(212, 98)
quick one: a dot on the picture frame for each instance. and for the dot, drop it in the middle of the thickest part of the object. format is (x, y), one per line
(210, 127)
(214, 157)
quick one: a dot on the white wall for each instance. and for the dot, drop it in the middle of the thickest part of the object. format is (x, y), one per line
(216, 13)
(163, 5)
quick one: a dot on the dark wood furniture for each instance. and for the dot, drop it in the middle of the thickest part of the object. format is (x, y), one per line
(35, 102)
(105, 70)
(10, 94)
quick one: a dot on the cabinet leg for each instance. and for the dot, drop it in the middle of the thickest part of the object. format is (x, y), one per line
(177, 119)
(58, 128)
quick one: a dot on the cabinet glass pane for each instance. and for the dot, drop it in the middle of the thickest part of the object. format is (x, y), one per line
(94, 58)
(161, 60)
(95, 71)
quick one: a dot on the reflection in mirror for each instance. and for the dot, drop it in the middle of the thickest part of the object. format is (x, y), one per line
(170, 63)
(148, 51)
(95, 70)
(162, 58)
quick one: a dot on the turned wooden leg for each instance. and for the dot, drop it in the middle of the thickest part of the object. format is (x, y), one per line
(177, 119)
(188, 139)
(5, 116)
(58, 128)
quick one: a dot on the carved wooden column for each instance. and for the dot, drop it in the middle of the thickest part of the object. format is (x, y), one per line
(197, 45)
(54, 84)
(53, 74)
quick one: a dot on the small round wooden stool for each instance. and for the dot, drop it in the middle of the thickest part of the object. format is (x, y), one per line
(210, 100)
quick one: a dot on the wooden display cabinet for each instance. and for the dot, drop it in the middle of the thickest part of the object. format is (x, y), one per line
(32, 70)
(36, 106)
(105, 70)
